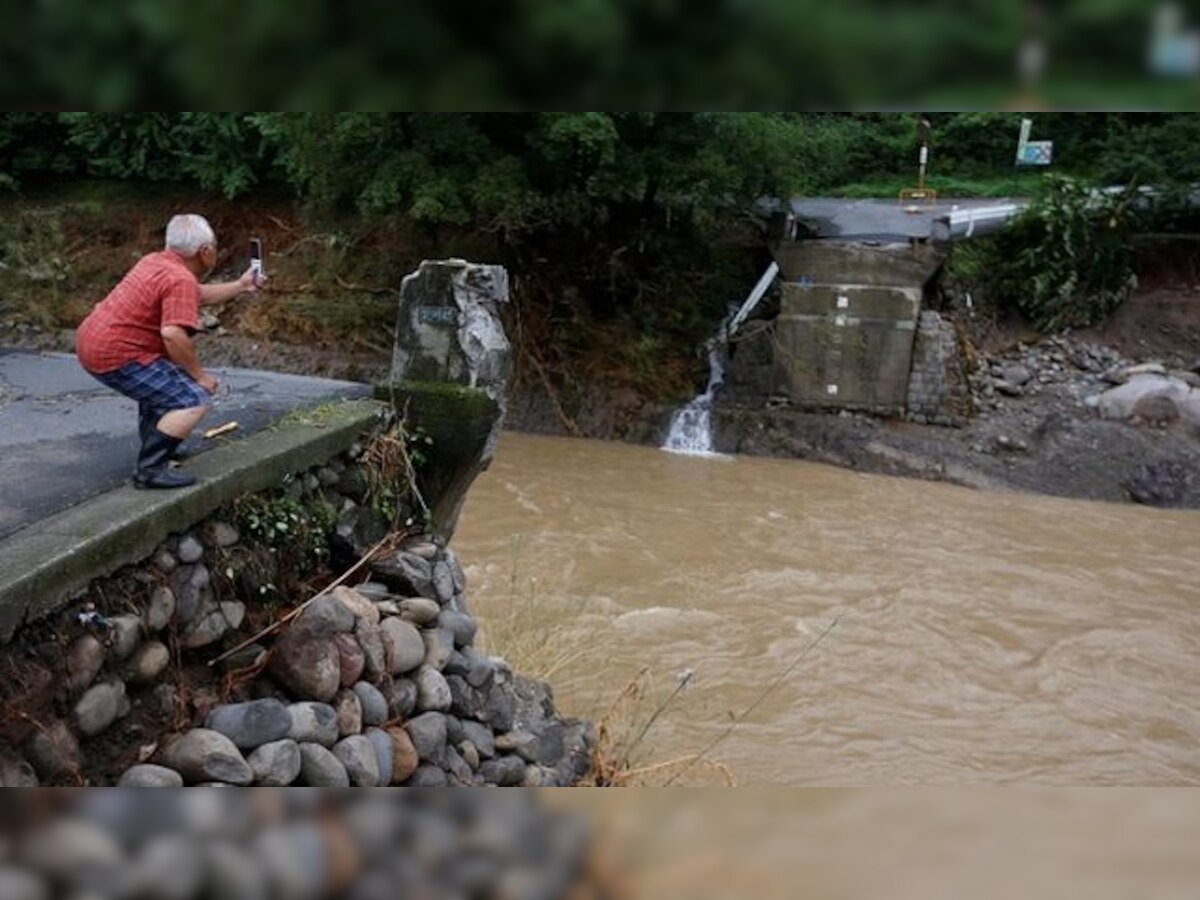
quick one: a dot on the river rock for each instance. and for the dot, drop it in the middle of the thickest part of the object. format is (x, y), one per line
(351, 659)
(360, 607)
(164, 560)
(522, 743)
(85, 658)
(499, 708)
(470, 753)
(307, 664)
(537, 776)
(465, 701)
(381, 744)
(349, 712)
(159, 609)
(456, 570)
(439, 644)
(100, 706)
(326, 615)
(481, 736)
(406, 650)
(401, 697)
(205, 755)
(454, 730)
(406, 573)
(125, 633)
(320, 768)
(189, 550)
(503, 771)
(169, 867)
(443, 583)
(222, 534)
(428, 776)
(456, 767)
(428, 734)
(370, 641)
(214, 624)
(275, 764)
(374, 705)
(193, 593)
(405, 758)
(419, 610)
(482, 669)
(313, 723)
(251, 724)
(53, 751)
(433, 693)
(148, 775)
(150, 661)
(357, 754)
(460, 625)
(373, 591)
(19, 884)
(422, 546)
(1163, 482)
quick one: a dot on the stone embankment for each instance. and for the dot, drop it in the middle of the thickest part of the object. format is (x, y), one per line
(370, 685)
(303, 845)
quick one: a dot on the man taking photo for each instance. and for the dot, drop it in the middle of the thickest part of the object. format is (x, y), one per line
(138, 341)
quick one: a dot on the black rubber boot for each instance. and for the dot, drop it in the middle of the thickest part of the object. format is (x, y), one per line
(147, 420)
(152, 470)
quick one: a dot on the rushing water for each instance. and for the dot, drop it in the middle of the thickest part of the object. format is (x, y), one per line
(979, 637)
(691, 426)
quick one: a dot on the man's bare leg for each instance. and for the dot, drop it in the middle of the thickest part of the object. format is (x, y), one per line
(178, 423)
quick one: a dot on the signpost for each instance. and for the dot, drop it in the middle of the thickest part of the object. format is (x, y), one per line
(920, 192)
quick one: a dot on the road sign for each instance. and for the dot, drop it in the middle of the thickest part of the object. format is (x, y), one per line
(1036, 153)
(1032, 153)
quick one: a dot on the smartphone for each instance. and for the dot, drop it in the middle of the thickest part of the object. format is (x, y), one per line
(256, 265)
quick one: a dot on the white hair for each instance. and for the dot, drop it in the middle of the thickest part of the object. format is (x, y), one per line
(188, 232)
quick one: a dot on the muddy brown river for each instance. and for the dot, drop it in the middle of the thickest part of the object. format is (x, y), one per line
(977, 637)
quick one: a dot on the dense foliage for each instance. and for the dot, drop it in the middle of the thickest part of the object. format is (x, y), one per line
(519, 170)
(1067, 261)
(640, 217)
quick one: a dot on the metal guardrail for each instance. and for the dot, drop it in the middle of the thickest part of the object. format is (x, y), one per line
(964, 224)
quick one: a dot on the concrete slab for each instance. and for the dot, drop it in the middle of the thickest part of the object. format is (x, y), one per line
(64, 437)
(45, 564)
(882, 220)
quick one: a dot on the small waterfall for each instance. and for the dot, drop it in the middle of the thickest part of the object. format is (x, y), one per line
(691, 426)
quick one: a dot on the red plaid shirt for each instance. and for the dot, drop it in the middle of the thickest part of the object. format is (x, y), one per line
(126, 326)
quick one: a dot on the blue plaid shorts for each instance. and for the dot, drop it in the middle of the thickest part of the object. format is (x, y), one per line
(160, 386)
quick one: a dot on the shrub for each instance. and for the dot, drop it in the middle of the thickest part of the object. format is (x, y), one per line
(1066, 262)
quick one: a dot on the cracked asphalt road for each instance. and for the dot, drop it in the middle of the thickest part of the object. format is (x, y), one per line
(64, 437)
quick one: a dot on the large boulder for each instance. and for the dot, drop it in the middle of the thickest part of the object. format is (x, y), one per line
(1150, 392)
(307, 663)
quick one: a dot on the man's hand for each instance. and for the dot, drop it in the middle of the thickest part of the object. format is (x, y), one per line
(249, 283)
(207, 382)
